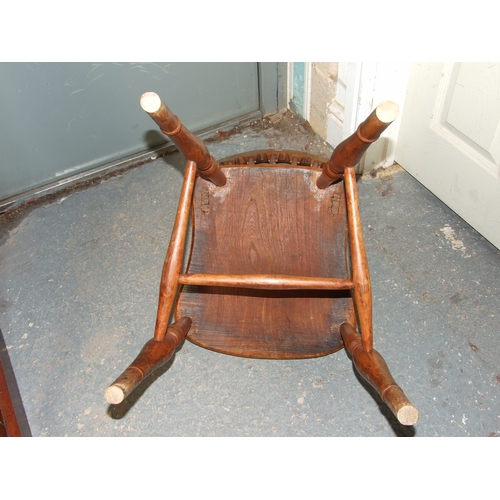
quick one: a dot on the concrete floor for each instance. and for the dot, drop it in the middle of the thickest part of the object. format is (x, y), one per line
(78, 294)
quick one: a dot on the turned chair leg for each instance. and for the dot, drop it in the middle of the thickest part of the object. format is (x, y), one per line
(188, 144)
(153, 355)
(350, 151)
(372, 367)
(160, 349)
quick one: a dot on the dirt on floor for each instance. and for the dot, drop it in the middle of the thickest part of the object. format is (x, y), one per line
(286, 123)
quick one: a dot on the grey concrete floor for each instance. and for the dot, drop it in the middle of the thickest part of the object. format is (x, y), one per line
(79, 282)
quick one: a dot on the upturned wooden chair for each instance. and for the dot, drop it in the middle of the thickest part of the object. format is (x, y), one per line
(277, 267)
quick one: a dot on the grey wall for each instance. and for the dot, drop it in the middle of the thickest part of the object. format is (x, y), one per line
(58, 119)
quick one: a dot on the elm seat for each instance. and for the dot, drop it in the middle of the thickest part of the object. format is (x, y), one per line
(268, 220)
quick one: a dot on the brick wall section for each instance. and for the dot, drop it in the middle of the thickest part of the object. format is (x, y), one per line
(323, 89)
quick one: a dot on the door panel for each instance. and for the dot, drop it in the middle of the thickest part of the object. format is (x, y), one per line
(450, 138)
(59, 119)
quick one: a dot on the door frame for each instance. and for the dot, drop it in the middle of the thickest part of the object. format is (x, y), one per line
(368, 84)
(272, 87)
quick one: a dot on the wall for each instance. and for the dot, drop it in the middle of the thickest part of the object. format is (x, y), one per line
(59, 119)
(312, 88)
(324, 76)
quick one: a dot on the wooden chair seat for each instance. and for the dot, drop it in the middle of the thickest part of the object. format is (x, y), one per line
(268, 220)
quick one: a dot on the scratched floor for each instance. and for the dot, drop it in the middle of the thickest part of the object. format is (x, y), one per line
(78, 288)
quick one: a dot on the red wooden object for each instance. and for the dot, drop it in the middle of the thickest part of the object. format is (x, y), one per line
(13, 421)
(268, 273)
(9, 426)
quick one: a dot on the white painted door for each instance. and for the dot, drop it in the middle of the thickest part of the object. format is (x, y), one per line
(450, 138)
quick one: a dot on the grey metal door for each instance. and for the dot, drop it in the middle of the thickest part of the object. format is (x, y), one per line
(59, 119)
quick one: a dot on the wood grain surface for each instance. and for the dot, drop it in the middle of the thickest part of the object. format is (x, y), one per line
(268, 220)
